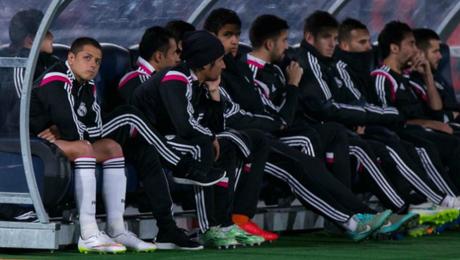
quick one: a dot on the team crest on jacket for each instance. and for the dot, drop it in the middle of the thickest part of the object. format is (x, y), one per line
(338, 82)
(81, 111)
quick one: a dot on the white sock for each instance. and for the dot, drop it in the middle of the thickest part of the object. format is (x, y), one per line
(85, 195)
(114, 191)
(351, 224)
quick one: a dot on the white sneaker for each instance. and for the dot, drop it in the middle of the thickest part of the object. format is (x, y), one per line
(131, 241)
(99, 243)
(425, 205)
(456, 204)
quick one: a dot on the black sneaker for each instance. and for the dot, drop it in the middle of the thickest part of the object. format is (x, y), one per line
(192, 172)
(175, 239)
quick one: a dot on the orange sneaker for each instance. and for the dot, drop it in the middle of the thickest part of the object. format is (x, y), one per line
(253, 229)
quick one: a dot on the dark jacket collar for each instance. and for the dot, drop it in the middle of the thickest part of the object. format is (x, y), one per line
(308, 47)
(361, 62)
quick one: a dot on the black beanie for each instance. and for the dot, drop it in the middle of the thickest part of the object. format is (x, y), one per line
(200, 48)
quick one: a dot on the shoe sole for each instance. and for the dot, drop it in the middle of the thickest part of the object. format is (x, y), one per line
(143, 251)
(229, 246)
(226, 247)
(192, 182)
(421, 231)
(91, 251)
(247, 243)
(172, 246)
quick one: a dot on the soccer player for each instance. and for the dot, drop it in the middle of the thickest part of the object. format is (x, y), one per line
(64, 111)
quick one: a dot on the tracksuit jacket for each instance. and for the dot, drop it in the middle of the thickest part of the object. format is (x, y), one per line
(61, 100)
(11, 84)
(327, 92)
(446, 92)
(131, 80)
(249, 112)
(175, 93)
(397, 90)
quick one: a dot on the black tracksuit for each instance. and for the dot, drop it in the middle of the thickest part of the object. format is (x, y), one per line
(449, 101)
(421, 156)
(435, 149)
(307, 176)
(131, 80)
(324, 96)
(11, 83)
(280, 101)
(184, 112)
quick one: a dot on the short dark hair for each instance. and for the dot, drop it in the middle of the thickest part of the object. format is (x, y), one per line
(394, 32)
(348, 25)
(318, 22)
(178, 28)
(79, 43)
(155, 38)
(423, 37)
(218, 18)
(266, 27)
(24, 23)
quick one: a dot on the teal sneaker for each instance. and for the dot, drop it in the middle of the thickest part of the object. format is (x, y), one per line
(367, 224)
(241, 236)
(397, 225)
(215, 238)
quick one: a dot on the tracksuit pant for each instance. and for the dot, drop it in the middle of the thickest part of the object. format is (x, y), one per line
(249, 175)
(334, 143)
(215, 203)
(401, 156)
(312, 183)
(440, 155)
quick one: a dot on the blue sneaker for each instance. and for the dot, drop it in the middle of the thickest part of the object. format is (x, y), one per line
(367, 224)
(397, 224)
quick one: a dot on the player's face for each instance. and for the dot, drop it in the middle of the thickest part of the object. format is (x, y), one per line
(325, 42)
(360, 41)
(433, 53)
(171, 57)
(280, 45)
(407, 49)
(86, 63)
(229, 36)
(47, 44)
(213, 71)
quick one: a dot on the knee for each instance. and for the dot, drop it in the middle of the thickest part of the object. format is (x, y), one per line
(128, 109)
(82, 149)
(112, 148)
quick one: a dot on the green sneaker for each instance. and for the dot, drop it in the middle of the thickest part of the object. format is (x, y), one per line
(397, 224)
(242, 236)
(421, 230)
(367, 224)
(214, 237)
(437, 215)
